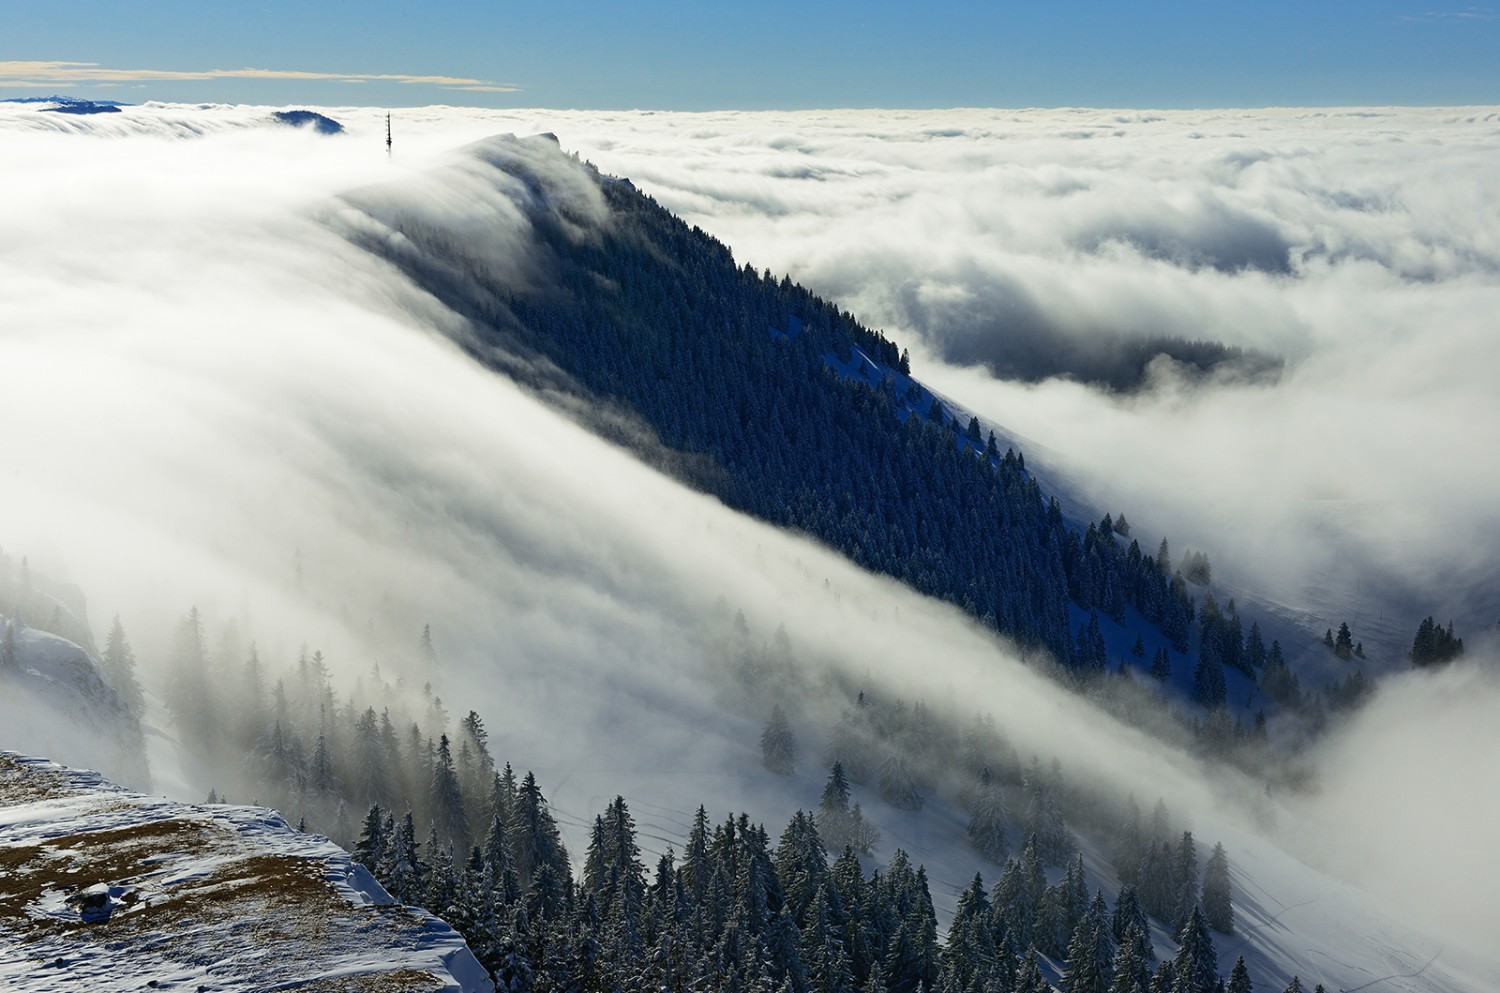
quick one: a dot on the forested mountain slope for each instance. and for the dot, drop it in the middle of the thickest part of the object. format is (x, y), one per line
(754, 390)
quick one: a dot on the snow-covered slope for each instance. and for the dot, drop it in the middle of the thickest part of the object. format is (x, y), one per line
(58, 703)
(104, 889)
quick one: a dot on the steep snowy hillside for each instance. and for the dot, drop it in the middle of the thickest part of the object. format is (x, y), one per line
(104, 889)
(55, 701)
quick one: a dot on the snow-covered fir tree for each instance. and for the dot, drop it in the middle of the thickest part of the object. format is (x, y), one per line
(988, 818)
(1217, 908)
(119, 668)
(778, 746)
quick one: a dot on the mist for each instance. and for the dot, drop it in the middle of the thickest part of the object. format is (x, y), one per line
(213, 398)
(1351, 255)
(229, 405)
(1407, 797)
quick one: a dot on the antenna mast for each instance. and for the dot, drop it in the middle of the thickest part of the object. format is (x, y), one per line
(387, 135)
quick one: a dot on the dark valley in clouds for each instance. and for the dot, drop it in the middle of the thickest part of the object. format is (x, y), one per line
(327, 399)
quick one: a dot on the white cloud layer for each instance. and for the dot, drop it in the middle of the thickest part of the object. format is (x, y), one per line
(204, 389)
(225, 404)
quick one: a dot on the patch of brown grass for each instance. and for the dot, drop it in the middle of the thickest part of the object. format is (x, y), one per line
(20, 783)
(236, 907)
(397, 981)
(116, 856)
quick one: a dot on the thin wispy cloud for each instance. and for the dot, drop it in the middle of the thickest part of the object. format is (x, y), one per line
(45, 74)
(1467, 14)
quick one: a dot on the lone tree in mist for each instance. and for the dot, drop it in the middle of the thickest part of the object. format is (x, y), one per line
(1196, 569)
(898, 786)
(10, 661)
(987, 819)
(119, 668)
(834, 817)
(778, 746)
(1216, 904)
(1042, 817)
(426, 654)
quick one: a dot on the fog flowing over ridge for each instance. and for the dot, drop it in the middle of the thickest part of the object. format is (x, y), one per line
(247, 413)
(214, 398)
(1358, 246)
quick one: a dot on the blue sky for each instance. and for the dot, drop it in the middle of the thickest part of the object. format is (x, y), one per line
(661, 54)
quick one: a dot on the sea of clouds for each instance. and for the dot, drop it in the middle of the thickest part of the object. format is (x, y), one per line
(212, 397)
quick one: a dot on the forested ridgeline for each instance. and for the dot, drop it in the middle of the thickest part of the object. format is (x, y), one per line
(646, 314)
(759, 392)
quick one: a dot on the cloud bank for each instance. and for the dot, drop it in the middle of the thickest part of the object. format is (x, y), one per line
(216, 400)
(1357, 246)
(227, 404)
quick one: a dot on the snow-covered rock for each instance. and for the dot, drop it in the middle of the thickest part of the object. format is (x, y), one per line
(57, 702)
(105, 889)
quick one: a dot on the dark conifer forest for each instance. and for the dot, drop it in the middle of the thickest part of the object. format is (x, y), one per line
(729, 907)
(757, 391)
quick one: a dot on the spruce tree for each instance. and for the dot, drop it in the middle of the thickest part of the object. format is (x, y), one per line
(1129, 845)
(898, 786)
(406, 873)
(834, 818)
(1129, 914)
(1184, 880)
(778, 745)
(1196, 965)
(10, 659)
(1216, 902)
(119, 668)
(1091, 953)
(1239, 978)
(1029, 977)
(1043, 819)
(1343, 643)
(1161, 665)
(541, 860)
(1132, 968)
(987, 820)
(445, 801)
(1208, 682)
(370, 850)
(1255, 649)
(373, 778)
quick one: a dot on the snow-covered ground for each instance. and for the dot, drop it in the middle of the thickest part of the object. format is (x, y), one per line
(104, 889)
